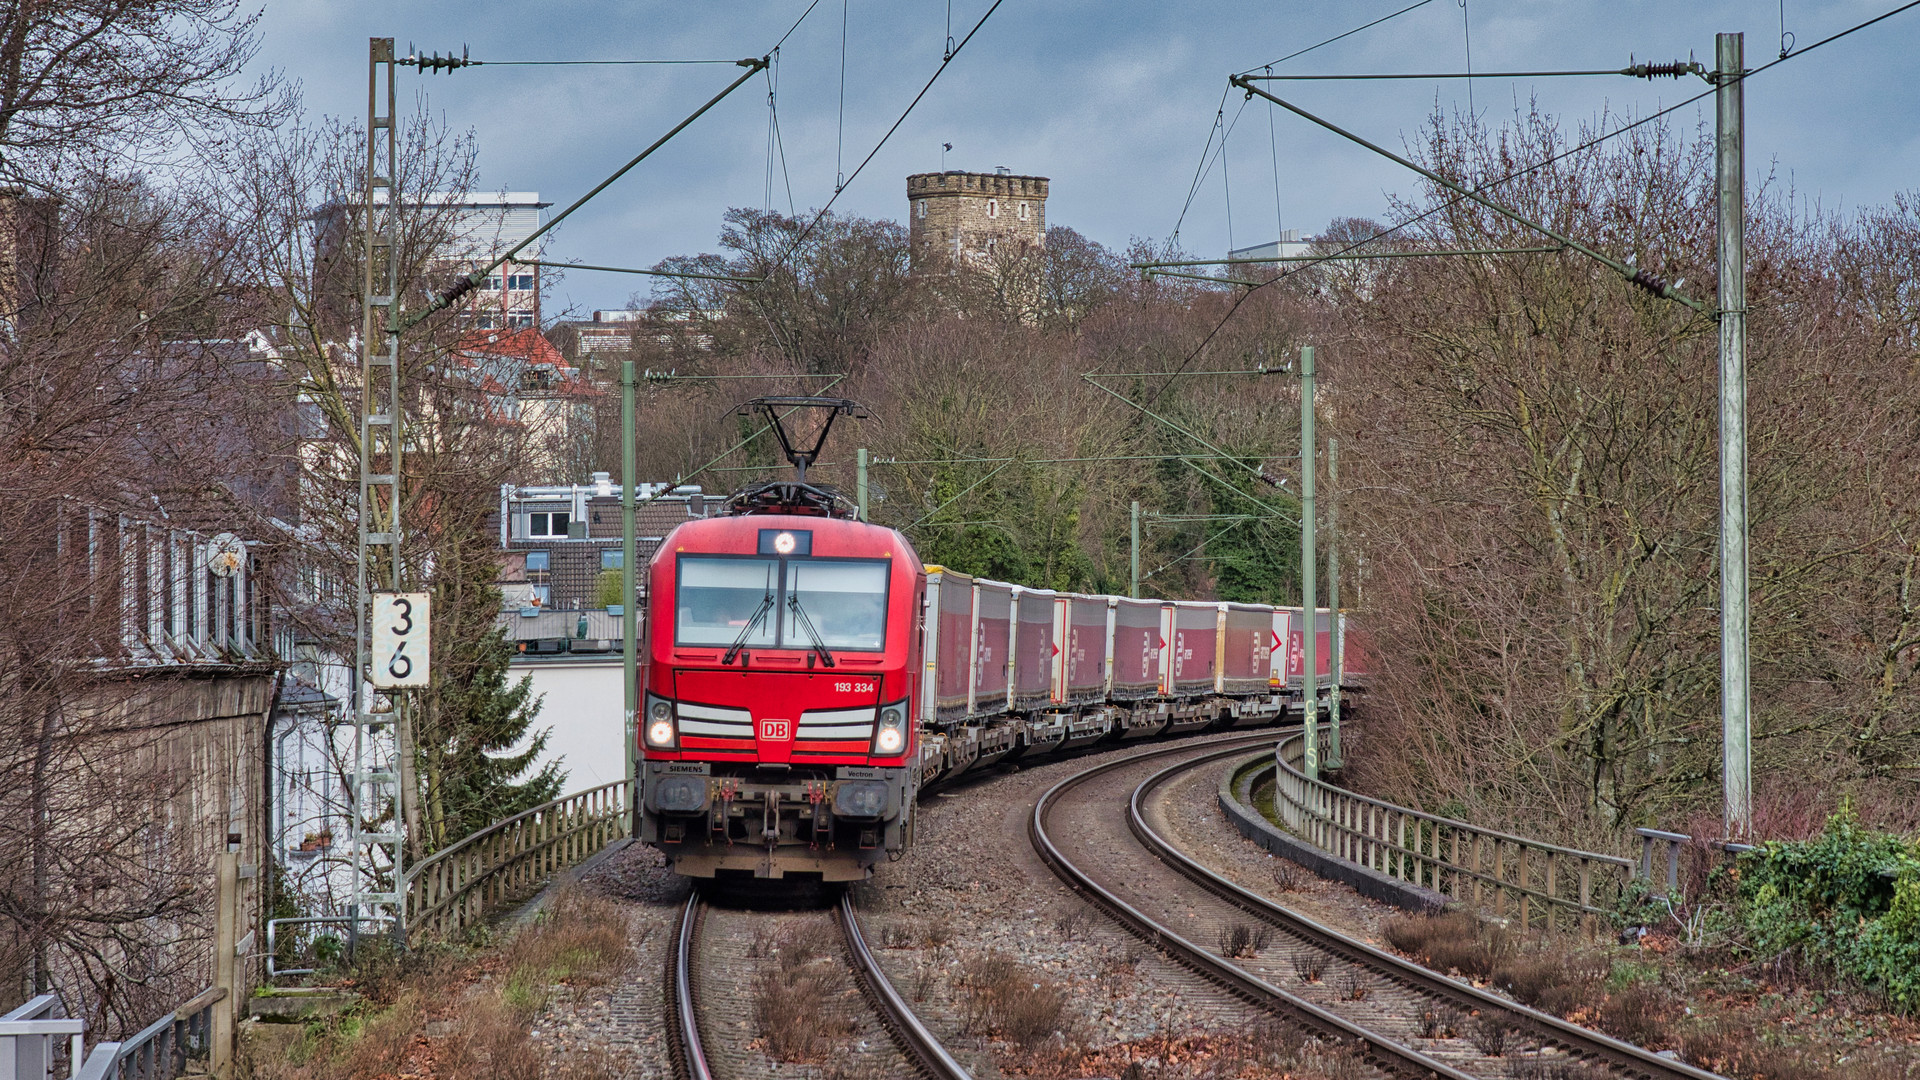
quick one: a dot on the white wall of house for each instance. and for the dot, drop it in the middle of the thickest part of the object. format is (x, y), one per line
(582, 701)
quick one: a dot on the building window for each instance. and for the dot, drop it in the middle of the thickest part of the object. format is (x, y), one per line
(538, 562)
(610, 560)
(493, 283)
(485, 322)
(522, 282)
(989, 245)
(546, 524)
(920, 208)
(520, 320)
(1023, 211)
(993, 208)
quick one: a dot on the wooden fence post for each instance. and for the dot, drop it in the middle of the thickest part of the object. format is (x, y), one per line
(226, 918)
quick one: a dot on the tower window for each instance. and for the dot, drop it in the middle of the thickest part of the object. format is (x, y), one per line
(993, 208)
(1023, 211)
(920, 208)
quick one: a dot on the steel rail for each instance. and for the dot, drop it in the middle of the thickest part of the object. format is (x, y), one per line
(1549, 1029)
(686, 1020)
(1381, 1052)
(915, 1040)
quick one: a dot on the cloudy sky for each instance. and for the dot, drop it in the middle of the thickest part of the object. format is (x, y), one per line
(1114, 101)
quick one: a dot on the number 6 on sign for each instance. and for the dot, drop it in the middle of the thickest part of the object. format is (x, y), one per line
(399, 640)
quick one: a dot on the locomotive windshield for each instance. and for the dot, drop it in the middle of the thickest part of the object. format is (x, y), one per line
(723, 601)
(719, 598)
(846, 600)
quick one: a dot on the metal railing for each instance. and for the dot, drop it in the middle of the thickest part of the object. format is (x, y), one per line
(1535, 884)
(509, 860)
(160, 1051)
(30, 1038)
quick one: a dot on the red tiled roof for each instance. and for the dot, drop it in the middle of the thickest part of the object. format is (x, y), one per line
(521, 343)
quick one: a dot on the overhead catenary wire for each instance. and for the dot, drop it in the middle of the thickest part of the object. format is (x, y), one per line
(779, 141)
(1337, 37)
(1210, 156)
(1273, 145)
(820, 216)
(586, 63)
(551, 265)
(840, 136)
(1226, 186)
(1466, 30)
(1207, 155)
(1200, 168)
(1516, 174)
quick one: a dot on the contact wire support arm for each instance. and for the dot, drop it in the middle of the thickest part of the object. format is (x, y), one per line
(1639, 277)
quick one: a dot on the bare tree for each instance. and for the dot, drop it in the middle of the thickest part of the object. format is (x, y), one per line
(77, 78)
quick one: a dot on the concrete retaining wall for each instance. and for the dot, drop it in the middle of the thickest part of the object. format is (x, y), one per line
(1368, 882)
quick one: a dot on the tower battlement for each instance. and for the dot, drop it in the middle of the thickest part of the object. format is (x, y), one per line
(959, 217)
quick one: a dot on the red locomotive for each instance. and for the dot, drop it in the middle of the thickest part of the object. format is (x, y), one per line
(777, 726)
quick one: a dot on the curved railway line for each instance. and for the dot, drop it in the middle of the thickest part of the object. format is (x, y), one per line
(1330, 985)
(916, 1051)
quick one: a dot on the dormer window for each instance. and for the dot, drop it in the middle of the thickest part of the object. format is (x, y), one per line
(548, 525)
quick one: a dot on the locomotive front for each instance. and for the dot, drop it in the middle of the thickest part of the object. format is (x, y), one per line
(776, 731)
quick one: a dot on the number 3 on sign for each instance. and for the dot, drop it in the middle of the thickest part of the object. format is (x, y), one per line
(399, 640)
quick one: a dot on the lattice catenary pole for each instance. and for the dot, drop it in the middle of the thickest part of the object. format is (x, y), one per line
(377, 851)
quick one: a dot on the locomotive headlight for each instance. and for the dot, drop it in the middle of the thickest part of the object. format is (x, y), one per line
(783, 543)
(860, 799)
(891, 736)
(660, 727)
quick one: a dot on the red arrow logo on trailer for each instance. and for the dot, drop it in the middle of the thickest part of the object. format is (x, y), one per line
(1275, 647)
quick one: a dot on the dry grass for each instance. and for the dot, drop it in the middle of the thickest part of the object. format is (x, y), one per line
(1073, 919)
(1007, 998)
(801, 1007)
(1639, 1014)
(1289, 876)
(1491, 1036)
(577, 941)
(1244, 939)
(1308, 966)
(489, 1042)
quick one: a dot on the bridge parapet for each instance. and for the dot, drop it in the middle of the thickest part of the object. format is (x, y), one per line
(510, 860)
(1536, 884)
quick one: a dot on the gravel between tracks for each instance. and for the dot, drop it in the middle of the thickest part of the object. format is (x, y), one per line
(973, 884)
(624, 1022)
(1187, 812)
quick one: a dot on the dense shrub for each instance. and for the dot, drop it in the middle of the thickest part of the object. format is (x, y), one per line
(1849, 897)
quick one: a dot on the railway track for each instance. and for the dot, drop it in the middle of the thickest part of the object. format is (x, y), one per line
(915, 1050)
(1406, 1019)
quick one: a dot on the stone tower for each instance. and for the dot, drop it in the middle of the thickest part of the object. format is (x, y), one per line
(957, 218)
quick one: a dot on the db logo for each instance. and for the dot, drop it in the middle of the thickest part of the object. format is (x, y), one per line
(776, 730)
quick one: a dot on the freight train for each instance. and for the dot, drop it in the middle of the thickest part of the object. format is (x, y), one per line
(805, 677)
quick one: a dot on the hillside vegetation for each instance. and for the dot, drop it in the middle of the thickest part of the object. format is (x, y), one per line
(1528, 489)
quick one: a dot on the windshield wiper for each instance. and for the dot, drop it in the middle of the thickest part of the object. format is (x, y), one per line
(759, 614)
(800, 615)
